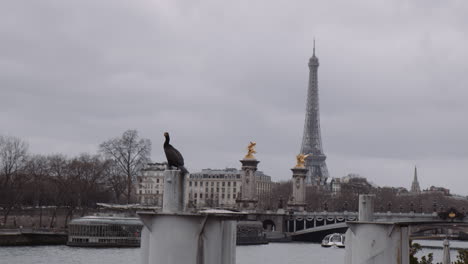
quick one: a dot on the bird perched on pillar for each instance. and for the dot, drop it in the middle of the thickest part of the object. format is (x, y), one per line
(174, 158)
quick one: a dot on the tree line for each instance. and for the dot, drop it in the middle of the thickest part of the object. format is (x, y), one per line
(386, 199)
(108, 176)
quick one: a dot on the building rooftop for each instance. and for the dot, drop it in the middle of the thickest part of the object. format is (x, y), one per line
(115, 220)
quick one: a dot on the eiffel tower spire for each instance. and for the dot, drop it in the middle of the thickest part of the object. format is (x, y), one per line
(312, 140)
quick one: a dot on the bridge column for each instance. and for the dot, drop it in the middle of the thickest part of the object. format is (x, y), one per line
(248, 196)
(297, 200)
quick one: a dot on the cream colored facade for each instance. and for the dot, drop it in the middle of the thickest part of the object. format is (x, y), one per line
(221, 188)
(208, 188)
(150, 185)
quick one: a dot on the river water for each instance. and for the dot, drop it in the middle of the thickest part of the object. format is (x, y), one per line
(273, 253)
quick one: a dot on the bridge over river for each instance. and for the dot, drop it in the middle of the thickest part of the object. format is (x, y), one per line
(313, 226)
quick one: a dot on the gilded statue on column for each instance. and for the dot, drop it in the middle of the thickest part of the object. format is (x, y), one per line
(251, 150)
(301, 160)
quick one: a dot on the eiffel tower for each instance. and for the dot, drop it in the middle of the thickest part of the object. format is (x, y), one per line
(312, 140)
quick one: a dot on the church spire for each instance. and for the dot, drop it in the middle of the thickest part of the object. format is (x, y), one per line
(415, 185)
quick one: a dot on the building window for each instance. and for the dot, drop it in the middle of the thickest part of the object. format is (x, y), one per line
(201, 195)
(190, 183)
(196, 184)
(229, 184)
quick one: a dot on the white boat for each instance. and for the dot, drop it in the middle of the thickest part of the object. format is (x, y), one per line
(334, 240)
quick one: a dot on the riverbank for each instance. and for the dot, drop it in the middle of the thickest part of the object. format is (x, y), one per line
(31, 237)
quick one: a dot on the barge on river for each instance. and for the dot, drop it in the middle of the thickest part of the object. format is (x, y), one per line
(104, 231)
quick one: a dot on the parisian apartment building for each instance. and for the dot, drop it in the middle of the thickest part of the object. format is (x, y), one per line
(207, 188)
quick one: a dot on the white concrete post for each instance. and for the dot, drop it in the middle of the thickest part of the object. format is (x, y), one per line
(366, 207)
(379, 243)
(144, 242)
(173, 197)
(188, 239)
(446, 252)
(175, 236)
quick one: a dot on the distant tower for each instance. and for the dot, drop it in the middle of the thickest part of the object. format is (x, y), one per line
(415, 185)
(311, 140)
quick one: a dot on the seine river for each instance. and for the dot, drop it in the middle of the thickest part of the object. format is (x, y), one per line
(273, 253)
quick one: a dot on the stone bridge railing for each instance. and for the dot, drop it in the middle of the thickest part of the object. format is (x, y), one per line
(296, 221)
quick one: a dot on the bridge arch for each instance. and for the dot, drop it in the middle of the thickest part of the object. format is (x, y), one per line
(269, 225)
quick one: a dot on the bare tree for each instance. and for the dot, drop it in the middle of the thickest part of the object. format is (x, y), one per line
(13, 153)
(130, 154)
(87, 173)
(115, 179)
(13, 156)
(63, 187)
(36, 192)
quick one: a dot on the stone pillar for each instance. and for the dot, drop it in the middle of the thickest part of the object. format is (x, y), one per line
(366, 207)
(188, 238)
(446, 252)
(248, 198)
(174, 236)
(382, 243)
(174, 190)
(298, 189)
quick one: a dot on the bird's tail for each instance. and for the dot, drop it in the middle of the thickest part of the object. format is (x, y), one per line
(183, 170)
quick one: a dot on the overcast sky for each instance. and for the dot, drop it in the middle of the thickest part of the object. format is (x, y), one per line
(393, 81)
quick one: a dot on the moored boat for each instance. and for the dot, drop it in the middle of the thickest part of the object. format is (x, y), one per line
(334, 240)
(104, 231)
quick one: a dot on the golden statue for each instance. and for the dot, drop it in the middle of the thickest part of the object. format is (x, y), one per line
(251, 151)
(301, 160)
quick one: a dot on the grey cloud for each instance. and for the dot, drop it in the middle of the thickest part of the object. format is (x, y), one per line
(218, 74)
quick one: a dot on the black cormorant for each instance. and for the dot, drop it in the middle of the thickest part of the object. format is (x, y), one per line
(174, 158)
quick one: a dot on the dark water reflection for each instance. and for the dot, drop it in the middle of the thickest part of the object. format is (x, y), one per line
(297, 253)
